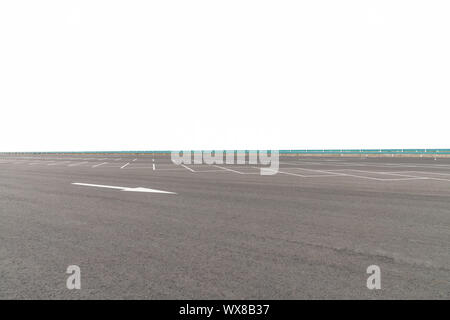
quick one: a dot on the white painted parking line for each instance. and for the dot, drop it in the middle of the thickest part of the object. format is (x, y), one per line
(174, 169)
(363, 177)
(77, 164)
(310, 176)
(227, 169)
(378, 172)
(128, 189)
(429, 178)
(154, 167)
(370, 164)
(124, 165)
(321, 171)
(134, 160)
(59, 162)
(287, 173)
(209, 170)
(424, 172)
(402, 174)
(439, 179)
(98, 165)
(304, 176)
(187, 168)
(378, 179)
(410, 165)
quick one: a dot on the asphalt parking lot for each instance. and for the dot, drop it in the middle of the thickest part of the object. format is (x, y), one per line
(223, 231)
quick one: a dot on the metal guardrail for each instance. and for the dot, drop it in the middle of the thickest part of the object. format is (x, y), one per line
(369, 151)
(294, 151)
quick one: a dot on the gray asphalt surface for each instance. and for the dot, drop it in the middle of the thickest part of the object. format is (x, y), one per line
(309, 232)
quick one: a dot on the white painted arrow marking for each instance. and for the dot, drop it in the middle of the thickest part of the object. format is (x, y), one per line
(138, 189)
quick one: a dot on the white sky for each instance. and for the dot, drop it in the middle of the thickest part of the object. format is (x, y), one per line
(234, 74)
